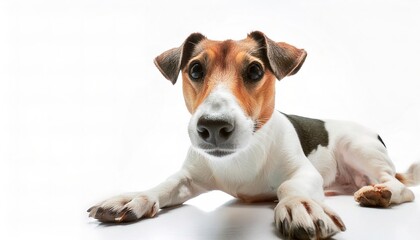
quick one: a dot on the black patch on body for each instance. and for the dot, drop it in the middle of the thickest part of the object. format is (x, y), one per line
(380, 140)
(311, 132)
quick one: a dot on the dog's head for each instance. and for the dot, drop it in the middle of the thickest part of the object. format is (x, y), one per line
(229, 86)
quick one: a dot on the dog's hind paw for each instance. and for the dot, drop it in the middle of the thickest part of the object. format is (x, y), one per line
(373, 196)
(124, 208)
(302, 218)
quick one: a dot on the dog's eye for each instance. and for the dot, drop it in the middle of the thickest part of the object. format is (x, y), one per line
(254, 72)
(196, 71)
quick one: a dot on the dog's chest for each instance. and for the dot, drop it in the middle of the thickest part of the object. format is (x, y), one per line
(247, 177)
(255, 173)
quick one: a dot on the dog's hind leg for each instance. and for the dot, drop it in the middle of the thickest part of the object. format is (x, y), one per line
(368, 157)
(389, 191)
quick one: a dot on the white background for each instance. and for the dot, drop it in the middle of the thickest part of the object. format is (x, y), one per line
(84, 113)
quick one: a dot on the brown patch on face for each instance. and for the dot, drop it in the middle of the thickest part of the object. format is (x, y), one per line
(225, 63)
(257, 101)
(196, 92)
(225, 48)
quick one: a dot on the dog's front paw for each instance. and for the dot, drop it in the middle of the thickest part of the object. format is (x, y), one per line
(125, 208)
(302, 218)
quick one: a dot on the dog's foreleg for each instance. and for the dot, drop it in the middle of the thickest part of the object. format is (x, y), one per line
(300, 213)
(130, 207)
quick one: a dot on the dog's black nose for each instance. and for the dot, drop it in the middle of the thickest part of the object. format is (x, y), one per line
(214, 131)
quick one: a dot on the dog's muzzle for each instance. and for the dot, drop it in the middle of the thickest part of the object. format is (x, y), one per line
(219, 127)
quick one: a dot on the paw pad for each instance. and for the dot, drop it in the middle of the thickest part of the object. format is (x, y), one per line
(373, 196)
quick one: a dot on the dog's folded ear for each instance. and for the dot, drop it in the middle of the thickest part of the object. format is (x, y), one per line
(284, 59)
(172, 61)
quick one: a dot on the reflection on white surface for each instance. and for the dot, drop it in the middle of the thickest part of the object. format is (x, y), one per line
(209, 202)
(237, 220)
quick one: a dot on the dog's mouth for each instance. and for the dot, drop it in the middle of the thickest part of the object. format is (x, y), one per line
(217, 152)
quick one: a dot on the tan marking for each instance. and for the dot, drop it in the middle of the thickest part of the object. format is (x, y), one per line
(152, 212)
(307, 207)
(400, 177)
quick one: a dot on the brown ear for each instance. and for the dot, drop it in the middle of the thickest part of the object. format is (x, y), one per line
(284, 59)
(172, 61)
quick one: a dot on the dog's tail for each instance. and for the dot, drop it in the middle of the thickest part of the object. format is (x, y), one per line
(411, 177)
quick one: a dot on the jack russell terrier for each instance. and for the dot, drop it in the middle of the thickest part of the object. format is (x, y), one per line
(242, 146)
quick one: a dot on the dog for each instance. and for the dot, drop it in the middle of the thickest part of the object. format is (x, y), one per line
(241, 145)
